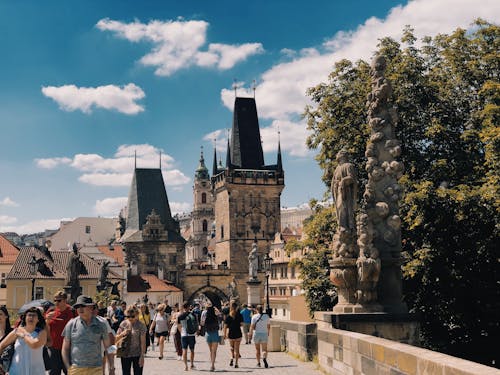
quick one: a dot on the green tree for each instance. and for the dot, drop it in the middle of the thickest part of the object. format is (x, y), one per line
(314, 268)
(447, 95)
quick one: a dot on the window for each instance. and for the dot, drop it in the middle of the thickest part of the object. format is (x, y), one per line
(282, 292)
(205, 226)
(39, 292)
(151, 259)
(222, 231)
(173, 259)
(172, 276)
(284, 312)
(204, 198)
(87, 229)
(292, 272)
(3, 281)
(284, 272)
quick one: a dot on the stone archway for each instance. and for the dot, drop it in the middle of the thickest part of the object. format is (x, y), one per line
(214, 294)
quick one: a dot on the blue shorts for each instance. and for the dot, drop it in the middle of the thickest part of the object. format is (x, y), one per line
(212, 336)
(260, 337)
(188, 341)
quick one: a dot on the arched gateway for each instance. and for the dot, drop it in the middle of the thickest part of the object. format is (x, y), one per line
(212, 293)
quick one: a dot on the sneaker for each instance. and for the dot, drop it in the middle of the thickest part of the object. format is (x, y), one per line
(236, 366)
(265, 362)
(231, 363)
(179, 358)
(258, 364)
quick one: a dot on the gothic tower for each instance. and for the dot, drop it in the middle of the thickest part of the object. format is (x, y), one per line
(152, 240)
(246, 195)
(202, 218)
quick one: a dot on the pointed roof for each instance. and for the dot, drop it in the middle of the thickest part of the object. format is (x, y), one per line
(214, 166)
(147, 193)
(202, 171)
(279, 163)
(228, 154)
(246, 146)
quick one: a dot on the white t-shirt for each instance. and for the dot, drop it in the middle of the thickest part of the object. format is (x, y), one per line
(260, 322)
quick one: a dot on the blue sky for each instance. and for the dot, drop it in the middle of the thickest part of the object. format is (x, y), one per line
(85, 83)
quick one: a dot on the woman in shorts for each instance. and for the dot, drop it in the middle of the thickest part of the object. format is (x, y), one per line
(159, 326)
(210, 324)
(259, 328)
(232, 330)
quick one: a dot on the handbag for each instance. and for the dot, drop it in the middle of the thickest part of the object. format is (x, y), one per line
(6, 357)
(123, 343)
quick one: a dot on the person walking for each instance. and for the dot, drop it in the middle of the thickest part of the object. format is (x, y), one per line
(29, 338)
(83, 335)
(175, 333)
(259, 328)
(232, 331)
(159, 327)
(188, 325)
(145, 318)
(134, 354)
(57, 320)
(210, 324)
(246, 313)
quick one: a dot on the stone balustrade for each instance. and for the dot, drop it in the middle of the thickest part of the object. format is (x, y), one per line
(345, 352)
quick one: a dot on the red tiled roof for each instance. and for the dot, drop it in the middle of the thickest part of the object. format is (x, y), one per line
(141, 282)
(52, 265)
(8, 252)
(116, 253)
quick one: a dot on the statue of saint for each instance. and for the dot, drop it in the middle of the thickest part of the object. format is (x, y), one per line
(253, 262)
(73, 267)
(344, 191)
(103, 275)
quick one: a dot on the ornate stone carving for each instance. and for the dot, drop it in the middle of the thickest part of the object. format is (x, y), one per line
(73, 270)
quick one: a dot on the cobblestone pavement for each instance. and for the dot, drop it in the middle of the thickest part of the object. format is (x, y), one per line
(279, 363)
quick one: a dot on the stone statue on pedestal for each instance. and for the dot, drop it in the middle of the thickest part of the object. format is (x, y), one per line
(253, 262)
(73, 270)
(103, 282)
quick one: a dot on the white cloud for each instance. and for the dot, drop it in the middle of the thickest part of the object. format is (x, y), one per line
(7, 202)
(122, 99)
(110, 206)
(33, 226)
(177, 45)
(117, 170)
(6, 220)
(180, 207)
(310, 66)
(220, 137)
(51, 163)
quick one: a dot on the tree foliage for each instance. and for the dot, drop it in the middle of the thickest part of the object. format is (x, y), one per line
(447, 93)
(314, 268)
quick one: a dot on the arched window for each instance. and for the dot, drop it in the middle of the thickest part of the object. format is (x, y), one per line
(204, 200)
(222, 231)
(205, 224)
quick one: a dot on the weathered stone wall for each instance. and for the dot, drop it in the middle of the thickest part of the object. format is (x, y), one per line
(345, 352)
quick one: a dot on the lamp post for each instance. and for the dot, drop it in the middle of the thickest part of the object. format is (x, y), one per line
(32, 264)
(268, 261)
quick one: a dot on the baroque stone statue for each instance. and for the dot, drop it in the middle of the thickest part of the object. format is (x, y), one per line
(345, 190)
(253, 262)
(103, 282)
(73, 267)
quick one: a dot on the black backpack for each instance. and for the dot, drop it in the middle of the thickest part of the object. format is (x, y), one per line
(191, 324)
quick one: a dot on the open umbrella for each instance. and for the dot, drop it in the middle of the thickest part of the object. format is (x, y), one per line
(43, 303)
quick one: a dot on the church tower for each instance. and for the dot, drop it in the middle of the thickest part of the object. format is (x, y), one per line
(246, 196)
(202, 218)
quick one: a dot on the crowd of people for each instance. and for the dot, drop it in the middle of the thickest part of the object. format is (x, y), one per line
(85, 338)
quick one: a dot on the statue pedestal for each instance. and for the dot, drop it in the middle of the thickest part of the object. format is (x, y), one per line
(344, 275)
(397, 327)
(253, 292)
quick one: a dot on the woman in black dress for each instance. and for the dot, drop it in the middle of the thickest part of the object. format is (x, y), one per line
(232, 331)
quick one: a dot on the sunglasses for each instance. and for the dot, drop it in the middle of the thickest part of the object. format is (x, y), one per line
(129, 316)
(57, 300)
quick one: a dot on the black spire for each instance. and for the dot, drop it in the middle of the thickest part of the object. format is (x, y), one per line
(279, 162)
(246, 147)
(214, 167)
(228, 154)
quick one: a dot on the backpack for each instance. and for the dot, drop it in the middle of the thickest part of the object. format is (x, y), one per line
(191, 324)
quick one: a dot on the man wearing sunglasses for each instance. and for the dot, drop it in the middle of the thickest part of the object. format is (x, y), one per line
(83, 335)
(56, 320)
